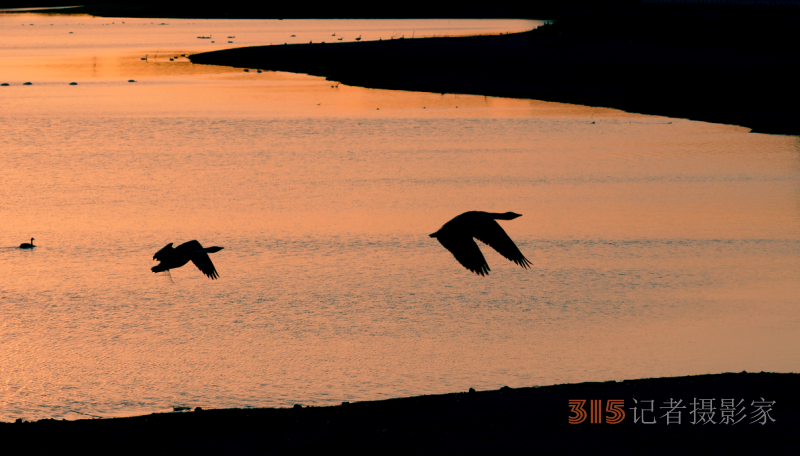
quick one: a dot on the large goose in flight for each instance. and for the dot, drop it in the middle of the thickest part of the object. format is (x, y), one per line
(456, 236)
(171, 258)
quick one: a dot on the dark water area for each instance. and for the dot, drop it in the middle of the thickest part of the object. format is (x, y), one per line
(730, 69)
(738, 413)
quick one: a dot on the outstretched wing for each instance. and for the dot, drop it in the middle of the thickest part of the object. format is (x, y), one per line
(466, 252)
(164, 253)
(200, 258)
(492, 234)
(203, 263)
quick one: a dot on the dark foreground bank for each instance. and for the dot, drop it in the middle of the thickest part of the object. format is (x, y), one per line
(739, 69)
(735, 414)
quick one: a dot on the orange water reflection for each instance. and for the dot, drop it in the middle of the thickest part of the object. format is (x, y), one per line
(660, 246)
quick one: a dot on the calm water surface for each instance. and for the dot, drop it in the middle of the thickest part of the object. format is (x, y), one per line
(659, 246)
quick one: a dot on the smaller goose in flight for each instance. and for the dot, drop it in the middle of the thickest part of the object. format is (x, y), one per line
(26, 245)
(456, 236)
(171, 258)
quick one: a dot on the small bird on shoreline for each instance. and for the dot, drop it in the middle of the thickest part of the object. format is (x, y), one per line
(171, 258)
(456, 236)
(26, 245)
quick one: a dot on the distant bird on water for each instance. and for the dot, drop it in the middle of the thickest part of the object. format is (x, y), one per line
(456, 236)
(26, 245)
(171, 258)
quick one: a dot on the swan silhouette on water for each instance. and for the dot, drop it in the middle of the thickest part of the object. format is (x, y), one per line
(171, 258)
(26, 245)
(456, 236)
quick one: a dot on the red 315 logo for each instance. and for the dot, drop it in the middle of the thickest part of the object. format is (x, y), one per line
(614, 411)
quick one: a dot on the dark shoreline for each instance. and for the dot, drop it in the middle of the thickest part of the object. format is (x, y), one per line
(487, 422)
(708, 73)
(410, 9)
(727, 61)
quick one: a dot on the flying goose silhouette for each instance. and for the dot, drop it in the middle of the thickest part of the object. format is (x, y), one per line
(456, 236)
(26, 245)
(171, 258)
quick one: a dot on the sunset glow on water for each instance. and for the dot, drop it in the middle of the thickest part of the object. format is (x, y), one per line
(659, 246)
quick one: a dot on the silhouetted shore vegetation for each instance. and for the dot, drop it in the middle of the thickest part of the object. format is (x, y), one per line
(724, 61)
(504, 421)
(238, 9)
(735, 68)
